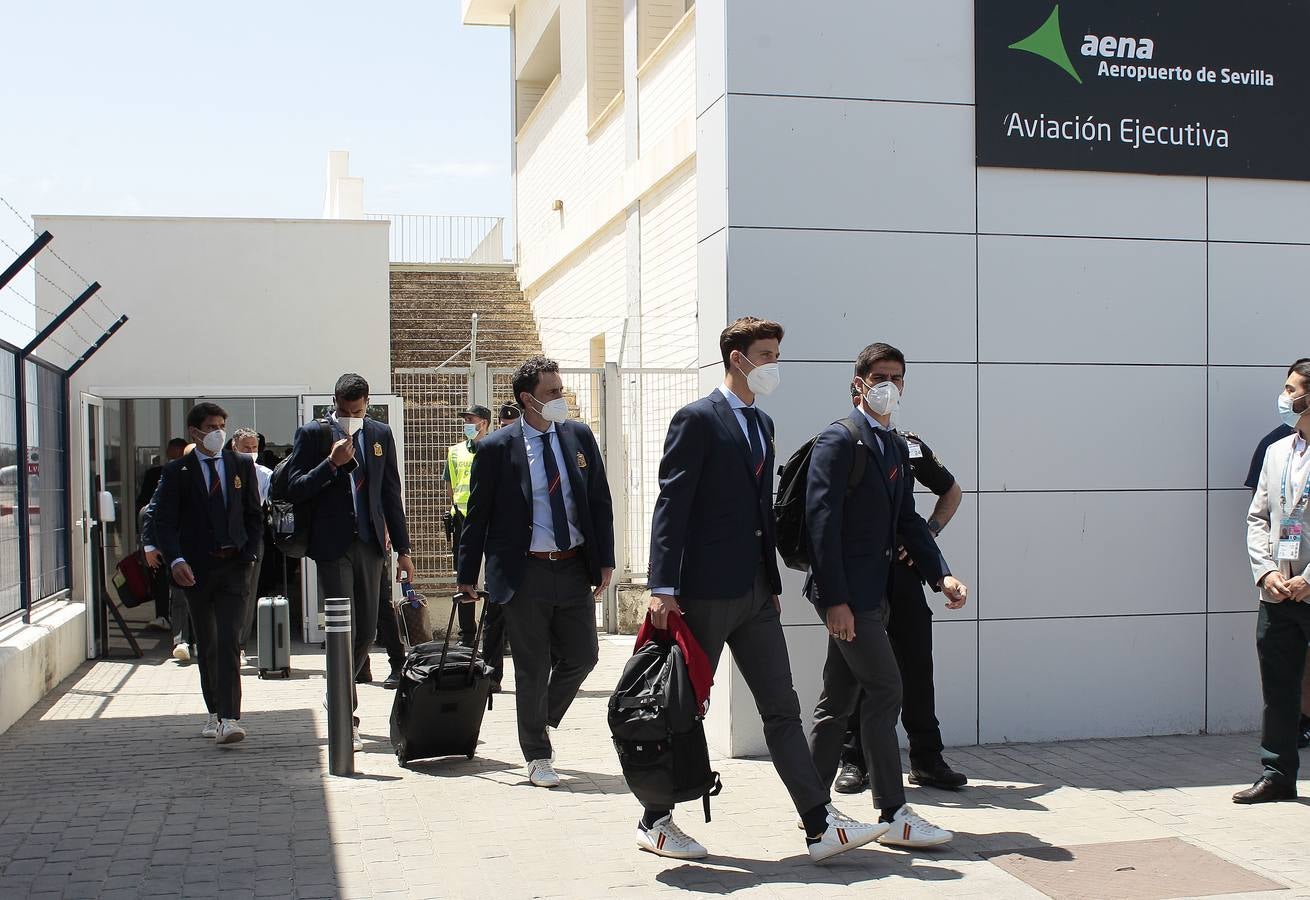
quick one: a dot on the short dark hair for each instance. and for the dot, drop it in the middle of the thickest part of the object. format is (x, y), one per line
(528, 375)
(178, 443)
(510, 411)
(351, 387)
(745, 331)
(1300, 367)
(874, 354)
(202, 411)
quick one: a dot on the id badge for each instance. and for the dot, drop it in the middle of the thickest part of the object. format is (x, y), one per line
(1289, 540)
(916, 451)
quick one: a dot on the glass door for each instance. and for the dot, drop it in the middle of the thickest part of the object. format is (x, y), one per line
(87, 525)
(388, 409)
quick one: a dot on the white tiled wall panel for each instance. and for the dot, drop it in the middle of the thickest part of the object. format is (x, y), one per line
(1063, 300)
(1252, 289)
(668, 273)
(915, 291)
(1249, 209)
(711, 173)
(1047, 555)
(667, 91)
(853, 48)
(914, 164)
(1047, 428)
(1243, 409)
(1064, 679)
(1088, 204)
(711, 291)
(1231, 587)
(1233, 676)
(576, 302)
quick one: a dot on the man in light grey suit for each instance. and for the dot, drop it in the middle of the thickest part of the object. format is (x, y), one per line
(1280, 563)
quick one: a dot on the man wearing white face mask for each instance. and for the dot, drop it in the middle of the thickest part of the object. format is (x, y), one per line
(540, 511)
(207, 521)
(1278, 544)
(713, 560)
(458, 474)
(347, 467)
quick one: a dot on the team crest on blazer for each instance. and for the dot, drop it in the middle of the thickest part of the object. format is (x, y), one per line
(377, 449)
(582, 460)
(236, 483)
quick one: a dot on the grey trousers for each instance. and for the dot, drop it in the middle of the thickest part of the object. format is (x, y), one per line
(551, 616)
(252, 600)
(357, 575)
(179, 615)
(751, 627)
(866, 663)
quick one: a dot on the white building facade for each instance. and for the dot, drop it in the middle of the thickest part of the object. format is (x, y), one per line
(1094, 356)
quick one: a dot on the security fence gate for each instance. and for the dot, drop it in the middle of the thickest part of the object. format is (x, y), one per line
(627, 409)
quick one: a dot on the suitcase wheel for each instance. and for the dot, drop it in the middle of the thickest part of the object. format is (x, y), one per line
(263, 673)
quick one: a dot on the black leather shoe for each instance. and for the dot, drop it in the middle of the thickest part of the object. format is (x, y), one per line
(365, 676)
(393, 680)
(1266, 790)
(495, 687)
(938, 775)
(851, 780)
(1304, 740)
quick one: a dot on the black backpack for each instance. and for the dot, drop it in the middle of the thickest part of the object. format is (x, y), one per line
(657, 731)
(793, 537)
(289, 522)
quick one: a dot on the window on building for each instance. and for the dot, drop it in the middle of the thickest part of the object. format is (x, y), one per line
(604, 55)
(655, 19)
(537, 74)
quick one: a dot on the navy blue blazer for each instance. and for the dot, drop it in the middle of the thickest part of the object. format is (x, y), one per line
(713, 522)
(499, 520)
(312, 479)
(178, 520)
(853, 537)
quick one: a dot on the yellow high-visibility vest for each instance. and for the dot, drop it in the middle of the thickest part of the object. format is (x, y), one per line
(459, 472)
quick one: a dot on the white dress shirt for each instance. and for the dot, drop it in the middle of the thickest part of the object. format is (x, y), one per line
(878, 429)
(543, 523)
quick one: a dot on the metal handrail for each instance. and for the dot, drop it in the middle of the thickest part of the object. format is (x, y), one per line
(475, 240)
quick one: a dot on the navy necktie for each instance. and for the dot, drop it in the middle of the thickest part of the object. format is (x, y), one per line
(558, 516)
(757, 446)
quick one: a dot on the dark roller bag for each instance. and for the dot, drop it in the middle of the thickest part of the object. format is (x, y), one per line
(444, 692)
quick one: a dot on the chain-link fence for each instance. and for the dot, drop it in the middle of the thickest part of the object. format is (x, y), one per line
(434, 402)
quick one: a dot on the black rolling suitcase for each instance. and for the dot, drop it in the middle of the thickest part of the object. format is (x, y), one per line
(443, 694)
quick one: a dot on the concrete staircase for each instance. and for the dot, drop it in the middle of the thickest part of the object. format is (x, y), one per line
(431, 320)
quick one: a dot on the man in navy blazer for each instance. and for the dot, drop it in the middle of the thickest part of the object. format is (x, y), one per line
(541, 515)
(713, 560)
(854, 532)
(207, 520)
(346, 467)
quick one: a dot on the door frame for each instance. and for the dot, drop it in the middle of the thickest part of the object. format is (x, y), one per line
(91, 410)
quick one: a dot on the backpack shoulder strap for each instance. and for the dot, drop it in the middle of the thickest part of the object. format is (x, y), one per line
(860, 459)
(325, 434)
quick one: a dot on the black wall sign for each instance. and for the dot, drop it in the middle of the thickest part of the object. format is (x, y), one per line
(1169, 87)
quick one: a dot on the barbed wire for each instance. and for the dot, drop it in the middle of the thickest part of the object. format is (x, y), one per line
(81, 337)
(51, 313)
(53, 252)
(8, 315)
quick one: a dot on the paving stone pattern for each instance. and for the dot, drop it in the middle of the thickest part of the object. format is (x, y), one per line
(106, 790)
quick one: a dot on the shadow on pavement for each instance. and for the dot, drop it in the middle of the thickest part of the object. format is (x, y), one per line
(728, 875)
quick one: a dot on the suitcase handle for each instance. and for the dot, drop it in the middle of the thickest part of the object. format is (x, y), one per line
(455, 600)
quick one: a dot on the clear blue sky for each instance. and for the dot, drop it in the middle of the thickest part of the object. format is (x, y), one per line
(230, 109)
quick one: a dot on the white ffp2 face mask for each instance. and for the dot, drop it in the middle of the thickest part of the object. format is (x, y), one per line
(214, 441)
(883, 398)
(556, 410)
(764, 379)
(350, 424)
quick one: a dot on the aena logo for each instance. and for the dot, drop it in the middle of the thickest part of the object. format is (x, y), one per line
(1048, 43)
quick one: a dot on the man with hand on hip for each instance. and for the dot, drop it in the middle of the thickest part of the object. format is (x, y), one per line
(854, 533)
(713, 559)
(1278, 545)
(540, 512)
(208, 522)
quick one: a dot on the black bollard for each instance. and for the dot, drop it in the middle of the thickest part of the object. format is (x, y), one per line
(340, 681)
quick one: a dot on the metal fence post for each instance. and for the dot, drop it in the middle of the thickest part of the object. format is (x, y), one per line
(616, 472)
(340, 678)
(480, 387)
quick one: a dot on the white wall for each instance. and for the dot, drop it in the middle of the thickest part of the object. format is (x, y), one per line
(1094, 355)
(223, 307)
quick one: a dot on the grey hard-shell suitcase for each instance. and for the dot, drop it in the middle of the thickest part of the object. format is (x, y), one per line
(273, 625)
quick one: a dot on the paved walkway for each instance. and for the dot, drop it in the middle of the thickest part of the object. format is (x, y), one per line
(107, 791)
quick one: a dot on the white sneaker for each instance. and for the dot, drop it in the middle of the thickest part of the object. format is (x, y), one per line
(908, 830)
(355, 740)
(211, 727)
(181, 653)
(229, 732)
(844, 833)
(664, 838)
(541, 772)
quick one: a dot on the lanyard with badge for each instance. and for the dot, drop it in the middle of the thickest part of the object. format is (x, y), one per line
(1293, 521)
